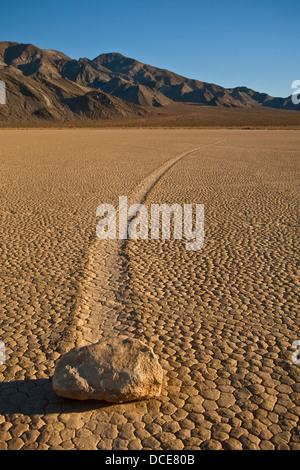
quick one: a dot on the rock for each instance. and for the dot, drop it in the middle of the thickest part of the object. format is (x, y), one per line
(114, 369)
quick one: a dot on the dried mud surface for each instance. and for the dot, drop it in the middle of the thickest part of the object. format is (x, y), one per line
(222, 319)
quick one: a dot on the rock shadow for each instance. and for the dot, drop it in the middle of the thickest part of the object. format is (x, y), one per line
(36, 396)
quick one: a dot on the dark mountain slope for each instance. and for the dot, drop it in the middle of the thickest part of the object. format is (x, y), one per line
(47, 84)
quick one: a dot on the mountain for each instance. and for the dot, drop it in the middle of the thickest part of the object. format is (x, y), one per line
(177, 88)
(47, 84)
(36, 90)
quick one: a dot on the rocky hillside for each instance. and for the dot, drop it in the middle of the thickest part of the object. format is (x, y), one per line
(35, 90)
(47, 84)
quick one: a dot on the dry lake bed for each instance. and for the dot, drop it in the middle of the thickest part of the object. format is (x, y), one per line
(222, 319)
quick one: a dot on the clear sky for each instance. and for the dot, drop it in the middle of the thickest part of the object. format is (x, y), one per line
(231, 43)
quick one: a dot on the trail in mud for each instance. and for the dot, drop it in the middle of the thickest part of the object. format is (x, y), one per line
(100, 311)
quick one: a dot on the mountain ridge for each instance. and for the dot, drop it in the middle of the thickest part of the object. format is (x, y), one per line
(110, 85)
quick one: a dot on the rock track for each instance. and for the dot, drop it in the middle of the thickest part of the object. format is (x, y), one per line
(100, 304)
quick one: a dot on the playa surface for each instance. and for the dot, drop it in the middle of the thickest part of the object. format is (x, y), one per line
(222, 320)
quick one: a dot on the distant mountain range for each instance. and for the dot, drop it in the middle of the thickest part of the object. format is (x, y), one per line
(49, 85)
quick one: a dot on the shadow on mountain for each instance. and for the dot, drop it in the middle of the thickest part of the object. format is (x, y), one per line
(106, 87)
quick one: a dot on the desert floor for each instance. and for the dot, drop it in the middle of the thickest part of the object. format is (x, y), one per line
(222, 320)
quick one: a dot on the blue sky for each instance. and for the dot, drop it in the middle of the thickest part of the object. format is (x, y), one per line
(229, 43)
